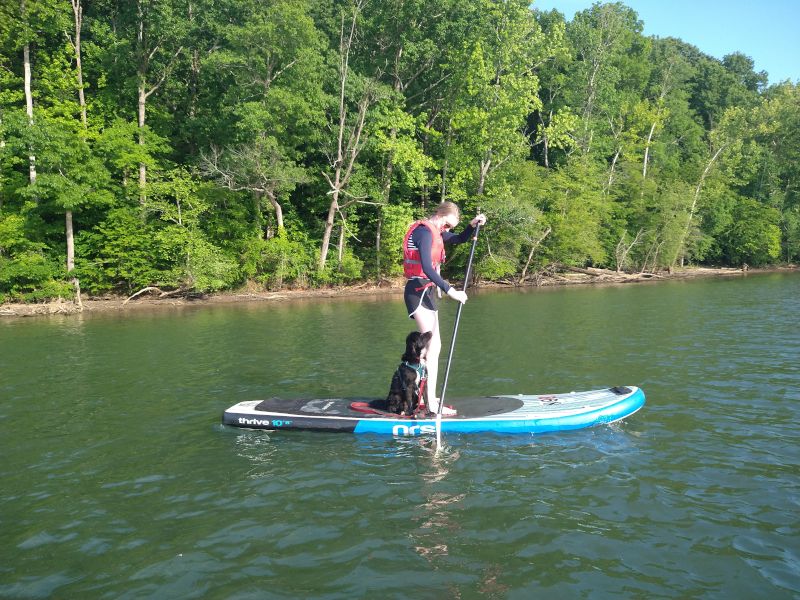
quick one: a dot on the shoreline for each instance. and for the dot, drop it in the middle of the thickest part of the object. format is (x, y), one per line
(567, 277)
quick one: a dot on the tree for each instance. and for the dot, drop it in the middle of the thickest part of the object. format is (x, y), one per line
(200, 265)
(276, 53)
(75, 41)
(151, 35)
(720, 85)
(728, 134)
(496, 91)
(609, 50)
(403, 47)
(754, 236)
(777, 180)
(396, 148)
(556, 122)
(574, 207)
(33, 19)
(586, 142)
(349, 130)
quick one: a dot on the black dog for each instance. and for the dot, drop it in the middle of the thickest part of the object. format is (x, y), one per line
(404, 392)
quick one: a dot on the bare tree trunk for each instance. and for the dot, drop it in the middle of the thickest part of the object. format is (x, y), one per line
(142, 98)
(145, 54)
(71, 259)
(534, 246)
(611, 170)
(378, 229)
(70, 243)
(695, 198)
(344, 58)
(277, 207)
(326, 235)
(446, 164)
(77, 10)
(486, 164)
(26, 57)
(647, 152)
(340, 254)
(346, 151)
(622, 251)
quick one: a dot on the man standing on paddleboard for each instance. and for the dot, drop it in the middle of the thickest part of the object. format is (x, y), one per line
(423, 255)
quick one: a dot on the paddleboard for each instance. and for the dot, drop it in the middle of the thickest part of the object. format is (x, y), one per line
(499, 414)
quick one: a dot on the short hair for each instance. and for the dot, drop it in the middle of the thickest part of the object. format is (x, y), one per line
(446, 209)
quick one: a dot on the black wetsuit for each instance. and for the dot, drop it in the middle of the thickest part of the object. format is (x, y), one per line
(418, 292)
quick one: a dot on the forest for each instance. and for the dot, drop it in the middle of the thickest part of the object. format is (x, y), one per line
(207, 145)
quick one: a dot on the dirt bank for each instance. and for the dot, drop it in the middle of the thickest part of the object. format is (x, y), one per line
(567, 276)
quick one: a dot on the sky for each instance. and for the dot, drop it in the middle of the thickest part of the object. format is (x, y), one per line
(768, 31)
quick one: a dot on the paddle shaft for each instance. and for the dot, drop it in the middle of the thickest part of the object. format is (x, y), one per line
(458, 319)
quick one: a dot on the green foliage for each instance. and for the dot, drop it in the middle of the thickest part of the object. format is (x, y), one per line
(395, 137)
(753, 236)
(286, 259)
(516, 224)
(120, 254)
(791, 228)
(13, 238)
(496, 92)
(70, 175)
(31, 277)
(575, 207)
(26, 274)
(117, 144)
(586, 142)
(197, 263)
(338, 272)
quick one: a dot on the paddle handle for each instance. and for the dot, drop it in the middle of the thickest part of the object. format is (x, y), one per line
(458, 320)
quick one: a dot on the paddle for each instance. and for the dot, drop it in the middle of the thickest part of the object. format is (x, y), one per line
(453, 341)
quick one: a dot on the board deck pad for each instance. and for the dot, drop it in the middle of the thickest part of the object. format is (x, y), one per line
(501, 414)
(467, 407)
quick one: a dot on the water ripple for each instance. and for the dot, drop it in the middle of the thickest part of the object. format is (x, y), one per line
(119, 482)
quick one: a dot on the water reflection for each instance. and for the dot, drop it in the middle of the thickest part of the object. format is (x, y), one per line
(259, 450)
(437, 520)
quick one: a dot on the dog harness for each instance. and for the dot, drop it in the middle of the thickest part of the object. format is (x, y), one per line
(422, 378)
(420, 369)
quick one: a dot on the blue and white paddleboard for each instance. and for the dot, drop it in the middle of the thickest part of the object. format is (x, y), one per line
(500, 414)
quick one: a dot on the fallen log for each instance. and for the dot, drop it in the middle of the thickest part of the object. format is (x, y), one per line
(593, 271)
(161, 294)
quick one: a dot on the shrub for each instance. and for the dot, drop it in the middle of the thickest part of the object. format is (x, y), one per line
(31, 277)
(284, 259)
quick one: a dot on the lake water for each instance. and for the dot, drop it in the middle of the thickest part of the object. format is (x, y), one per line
(118, 480)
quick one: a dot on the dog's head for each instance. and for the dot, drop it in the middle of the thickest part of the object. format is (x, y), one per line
(416, 343)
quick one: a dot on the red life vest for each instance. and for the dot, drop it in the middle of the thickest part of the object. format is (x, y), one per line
(412, 263)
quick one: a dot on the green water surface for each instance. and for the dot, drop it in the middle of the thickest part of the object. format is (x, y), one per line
(118, 480)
